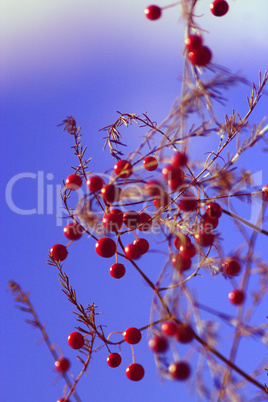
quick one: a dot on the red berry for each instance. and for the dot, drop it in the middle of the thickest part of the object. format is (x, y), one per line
(265, 192)
(132, 251)
(188, 204)
(180, 263)
(208, 223)
(95, 183)
(219, 7)
(58, 252)
(184, 333)
(145, 222)
(124, 167)
(117, 270)
(132, 335)
(173, 173)
(110, 193)
(135, 372)
(162, 201)
(231, 266)
(63, 400)
(158, 344)
(150, 163)
(214, 210)
(179, 370)
(142, 244)
(131, 219)
(76, 340)
(114, 360)
(62, 364)
(113, 220)
(175, 184)
(153, 188)
(204, 239)
(73, 182)
(169, 328)
(153, 12)
(181, 240)
(200, 57)
(187, 250)
(193, 42)
(236, 296)
(105, 247)
(73, 231)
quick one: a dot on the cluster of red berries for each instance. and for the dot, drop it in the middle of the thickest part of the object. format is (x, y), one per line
(232, 267)
(113, 218)
(183, 333)
(134, 371)
(198, 54)
(112, 222)
(76, 341)
(218, 8)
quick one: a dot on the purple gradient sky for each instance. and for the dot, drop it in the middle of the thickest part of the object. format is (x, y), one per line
(90, 59)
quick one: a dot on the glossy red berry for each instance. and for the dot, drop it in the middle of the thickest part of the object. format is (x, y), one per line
(131, 219)
(214, 210)
(201, 56)
(236, 296)
(162, 201)
(132, 335)
(169, 328)
(73, 182)
(73, 231)
(105, 247)
(123, 169)
(58, 252)
(193, 42)
(174, 176)
(180, 263)
(76, 340)
(208, 223)
(153, 12)
(110, 193)
(179, 159)
(142, 244)
(181, 240)
(135, 372)
(63, 400)
(113, 221)
(204, 239)
(158, 344)
(114, 360)
(145, 222)
(179, 370)
(132, 251)
(188, 204)
(187, 250)
(231, 266)
(62, 364)
(175, 184)
(95, 183)
(150, 163)
(184, 333)
(219, 7)
(171, 172)
(117, 270)
(265, 192)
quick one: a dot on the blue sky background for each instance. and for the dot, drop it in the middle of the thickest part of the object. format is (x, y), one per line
(89, 59)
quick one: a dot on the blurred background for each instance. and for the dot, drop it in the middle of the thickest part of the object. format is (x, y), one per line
(90, 59)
